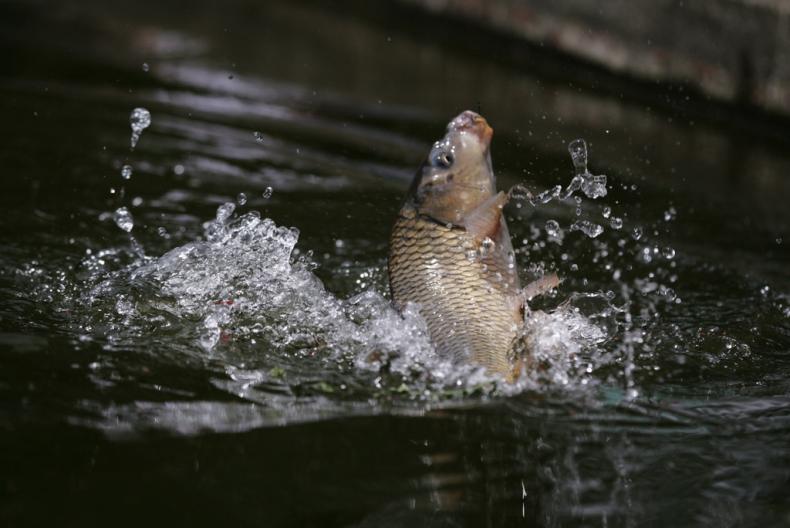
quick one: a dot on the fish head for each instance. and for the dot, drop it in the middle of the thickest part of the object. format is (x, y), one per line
(457, 175)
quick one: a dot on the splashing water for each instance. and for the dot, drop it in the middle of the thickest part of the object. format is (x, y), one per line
(590, 229)
(139, 120)
(246, 299)
(123, 219)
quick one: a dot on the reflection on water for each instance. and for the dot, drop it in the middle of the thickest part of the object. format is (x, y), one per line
(211, 351)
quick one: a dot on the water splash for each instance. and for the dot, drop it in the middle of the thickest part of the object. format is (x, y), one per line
(123, 219)
(590, 229)
(139, 120)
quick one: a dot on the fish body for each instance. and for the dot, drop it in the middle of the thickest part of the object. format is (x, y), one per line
(451, 254)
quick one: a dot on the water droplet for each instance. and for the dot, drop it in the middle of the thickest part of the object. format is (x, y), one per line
(139, 119)
(519, 192)
(578, 151)
(123, 219)
(137, 201)
(546, 196)
(668, 253)
(552, 227)
(126, 172)
(637, 233)
(594, 186)
(178, 170)
(590, 229)
(267, 193)
(258, 136)
(486, 246)
(225, 210)
(616, 223)
(146, 67)
(607, 211)
(241, 199)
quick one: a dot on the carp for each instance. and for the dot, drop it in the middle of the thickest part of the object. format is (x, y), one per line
(450, 253)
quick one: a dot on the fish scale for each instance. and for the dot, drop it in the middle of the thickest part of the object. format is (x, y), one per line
(464, 301)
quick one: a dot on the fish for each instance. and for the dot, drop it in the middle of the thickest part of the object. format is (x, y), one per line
(450, 253)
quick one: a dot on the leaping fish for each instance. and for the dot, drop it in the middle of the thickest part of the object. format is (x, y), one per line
(450, 252)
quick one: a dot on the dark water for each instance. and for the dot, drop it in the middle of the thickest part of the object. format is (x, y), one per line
(234, 380)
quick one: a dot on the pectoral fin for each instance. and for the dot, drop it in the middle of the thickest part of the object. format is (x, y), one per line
(541, 286)
(484, 221)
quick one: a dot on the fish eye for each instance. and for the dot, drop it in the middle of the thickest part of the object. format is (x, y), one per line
(443, 159)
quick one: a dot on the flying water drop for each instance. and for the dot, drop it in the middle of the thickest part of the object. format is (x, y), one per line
(267, 193)
(241, 199)
(590, 229)
(593, 186)
(578, 150)
(123, 219)
(224, 211)
(126, 172)
(139, 120)
(552, 228)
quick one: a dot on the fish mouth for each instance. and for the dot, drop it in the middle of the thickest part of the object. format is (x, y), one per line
(474, 123)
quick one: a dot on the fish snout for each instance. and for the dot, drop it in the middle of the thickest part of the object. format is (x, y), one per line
(474, 123)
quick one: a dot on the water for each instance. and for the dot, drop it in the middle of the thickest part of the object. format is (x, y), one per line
(218, 328)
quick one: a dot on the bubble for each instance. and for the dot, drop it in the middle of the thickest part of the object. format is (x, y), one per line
(616, 223)
(146, 67)
(178, 170)
(267, 193)
(139, 119)
(590, 229)
(126, 172)
(123, 219)
(241, 199)
(637, 233)
(137, 201)
(607, 211)
(668, 253)
(552, 228)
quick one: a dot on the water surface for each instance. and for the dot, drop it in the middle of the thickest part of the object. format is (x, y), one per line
(234, 358)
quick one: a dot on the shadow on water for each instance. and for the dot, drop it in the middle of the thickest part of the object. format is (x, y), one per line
(212, 369)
